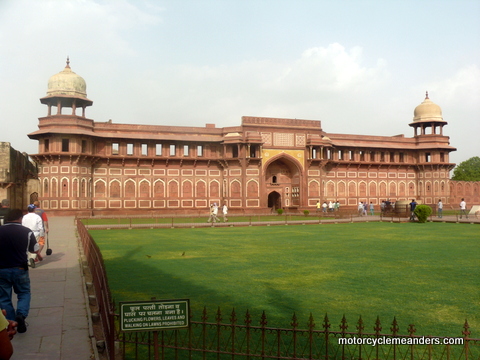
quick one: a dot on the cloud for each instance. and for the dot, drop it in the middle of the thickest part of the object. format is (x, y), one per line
(320, 77)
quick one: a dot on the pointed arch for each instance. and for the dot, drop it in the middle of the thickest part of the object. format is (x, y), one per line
(342, 188)
(159, 188)
(412, 189)
(172, 189)
(200, 189)
(75, 188)
(402, 189)
(352, 189)
(130, 188)
(313, 188)
(115, 188)
(144, 188)
(383, 189)
(362, 189)
(187, 189)
(99, 188)
(252, 189)
(235, 189)
(214, 188)
(392, 189)
(330, 189)
(46, 188)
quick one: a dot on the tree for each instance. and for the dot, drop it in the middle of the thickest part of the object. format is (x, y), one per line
(468, 170)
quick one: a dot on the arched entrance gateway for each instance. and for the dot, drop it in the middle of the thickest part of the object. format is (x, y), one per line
(274, 200)
(283, 183)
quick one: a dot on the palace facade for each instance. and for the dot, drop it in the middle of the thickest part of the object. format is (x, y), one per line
(264, 163)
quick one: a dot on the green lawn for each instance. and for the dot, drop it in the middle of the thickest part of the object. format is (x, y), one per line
(426, 274)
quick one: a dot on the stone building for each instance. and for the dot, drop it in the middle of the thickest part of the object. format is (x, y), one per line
(18, 185)
(264, 163)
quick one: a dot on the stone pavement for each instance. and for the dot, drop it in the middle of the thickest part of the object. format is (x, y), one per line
(58, 326)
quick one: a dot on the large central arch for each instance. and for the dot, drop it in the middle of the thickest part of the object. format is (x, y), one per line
(283, 176)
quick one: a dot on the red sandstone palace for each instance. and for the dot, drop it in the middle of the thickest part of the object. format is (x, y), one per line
(263, 163)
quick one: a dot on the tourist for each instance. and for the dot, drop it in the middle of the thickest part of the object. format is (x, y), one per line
(440, 209)
(372, 209)
(212, 215)
(43, 215)
(324, 206)
(360, 208)
(463, 208)
(413, 205)
(35, 223)
(15, 239)
(337, 206)
(319, 206)
(224, 212)
(330, 206)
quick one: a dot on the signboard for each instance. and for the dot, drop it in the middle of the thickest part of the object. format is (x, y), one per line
(154, 315)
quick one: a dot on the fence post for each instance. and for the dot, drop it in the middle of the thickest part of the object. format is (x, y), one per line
(218, 319)
(411, 331)
(326, 326)
(311, 326)
(377, 329)
(248, 321)
(233, 321)
(263, 324)
(466, 333)
(343, 328)
(360, 328)
(394, 329)
(294, 325)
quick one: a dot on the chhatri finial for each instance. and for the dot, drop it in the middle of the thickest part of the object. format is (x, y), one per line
(426, 95)
(68, 62)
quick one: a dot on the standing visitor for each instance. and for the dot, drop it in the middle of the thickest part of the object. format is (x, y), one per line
(440, 208)
(463, 208)
(372, 208)
(337, 206)
(324, 207)
(215, 212)
(34, 223)
(413, 205)
(319, 206)
(43, 215)
(330, 206)
(360, 208)
(15, 241)
(224, 212)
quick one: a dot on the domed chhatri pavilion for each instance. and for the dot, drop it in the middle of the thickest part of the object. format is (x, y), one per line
(261, 164)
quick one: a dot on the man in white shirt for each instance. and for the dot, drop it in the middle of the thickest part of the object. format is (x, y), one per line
(463, 208)
(225, 212)
(35, 223)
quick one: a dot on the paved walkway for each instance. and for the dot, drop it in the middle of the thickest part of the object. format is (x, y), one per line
(58, 323)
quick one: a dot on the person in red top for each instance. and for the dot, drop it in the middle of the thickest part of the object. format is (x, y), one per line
(40, 212)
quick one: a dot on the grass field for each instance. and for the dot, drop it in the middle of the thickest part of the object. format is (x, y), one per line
(426, 274)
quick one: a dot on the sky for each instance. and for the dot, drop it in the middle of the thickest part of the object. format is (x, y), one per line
(358, 66)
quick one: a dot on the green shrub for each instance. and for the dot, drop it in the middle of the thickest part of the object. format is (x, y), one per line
(306, 212)
(280, 211)
(423, 212)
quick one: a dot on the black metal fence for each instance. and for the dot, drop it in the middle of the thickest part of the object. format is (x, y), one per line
(214, 337)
